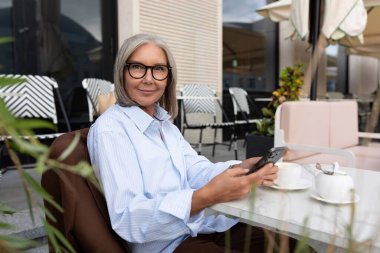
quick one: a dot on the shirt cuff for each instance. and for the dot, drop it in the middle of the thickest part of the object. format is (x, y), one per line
(195, 223)
(178, 204)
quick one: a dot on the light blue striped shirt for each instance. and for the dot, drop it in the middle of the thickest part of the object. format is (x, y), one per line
(149, 172)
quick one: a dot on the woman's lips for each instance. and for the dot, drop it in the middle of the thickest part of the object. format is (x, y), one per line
(146, 90)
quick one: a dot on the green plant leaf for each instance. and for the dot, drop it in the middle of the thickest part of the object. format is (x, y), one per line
(27, 191)
(4, 209)
(40, 163)
(83, 169)
(33, 124)
(266, 112)
(4, 40)
(5, 116)
(17, 242)
(270, 131)
(42, 192)
(5, 225)
(6, 81)
(70, 148)
(48, 214)
(25, 146)
(55, 236)
(290, 83)
(34, 184)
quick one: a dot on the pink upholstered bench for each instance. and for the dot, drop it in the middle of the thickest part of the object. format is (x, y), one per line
(325, 132)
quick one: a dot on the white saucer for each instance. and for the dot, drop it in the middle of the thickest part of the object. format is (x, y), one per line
(317, 197)
(302, 185)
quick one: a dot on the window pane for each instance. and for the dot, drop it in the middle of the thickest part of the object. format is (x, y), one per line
(249, 47)
(80, 23)
(332, 67)
(6, 48)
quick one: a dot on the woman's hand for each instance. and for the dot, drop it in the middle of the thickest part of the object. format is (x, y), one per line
(233, 184)
(267, 176)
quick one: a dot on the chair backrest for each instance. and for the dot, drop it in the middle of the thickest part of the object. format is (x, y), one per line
(34, 98)
(85, 221)
(201, 105)
(198, 104)
(316, 123)
(95, 87)
(304, 123)
(239, 100)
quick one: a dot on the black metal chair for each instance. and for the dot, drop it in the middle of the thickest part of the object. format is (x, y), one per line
(241, 106)
(200, 102)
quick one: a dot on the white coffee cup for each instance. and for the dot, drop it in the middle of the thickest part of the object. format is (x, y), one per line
(337, 187)
(289, 175)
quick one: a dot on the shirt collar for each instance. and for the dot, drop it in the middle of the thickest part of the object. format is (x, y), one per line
(141, 119)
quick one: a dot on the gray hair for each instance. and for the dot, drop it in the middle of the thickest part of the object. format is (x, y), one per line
(168, 100)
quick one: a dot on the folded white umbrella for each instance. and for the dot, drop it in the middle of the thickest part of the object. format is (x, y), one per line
(296, 11)
(343, 21)
(344, 18)
(276, 11)
(371, 33)
(299, 18)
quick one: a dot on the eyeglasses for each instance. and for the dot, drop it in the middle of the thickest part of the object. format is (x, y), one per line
(138, 71)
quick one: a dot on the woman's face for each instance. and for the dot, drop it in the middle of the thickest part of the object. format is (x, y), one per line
(145, 91)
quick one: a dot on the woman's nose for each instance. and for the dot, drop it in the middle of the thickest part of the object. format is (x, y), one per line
(149, 75)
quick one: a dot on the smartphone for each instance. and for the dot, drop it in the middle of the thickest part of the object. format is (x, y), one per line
(272, 156)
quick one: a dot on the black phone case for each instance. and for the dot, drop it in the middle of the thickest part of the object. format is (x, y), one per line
(272, 156)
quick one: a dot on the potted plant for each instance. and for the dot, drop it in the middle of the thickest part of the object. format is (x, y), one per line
(291, 82)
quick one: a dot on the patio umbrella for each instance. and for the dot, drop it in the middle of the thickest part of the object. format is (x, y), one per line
(371, 33)
(344, 22)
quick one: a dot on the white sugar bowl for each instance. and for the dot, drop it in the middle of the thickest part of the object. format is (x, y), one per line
(336, 187)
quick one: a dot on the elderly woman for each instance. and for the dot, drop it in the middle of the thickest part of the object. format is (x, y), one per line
(156, 186)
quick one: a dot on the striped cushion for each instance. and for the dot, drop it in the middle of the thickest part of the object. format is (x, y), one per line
(95, 87)
(34, 98)
(201, 105)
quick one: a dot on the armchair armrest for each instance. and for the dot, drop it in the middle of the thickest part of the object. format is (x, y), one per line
(349, 155)
(369, 135)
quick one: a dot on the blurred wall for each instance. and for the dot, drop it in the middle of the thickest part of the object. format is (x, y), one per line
(193, 30)
(363, 74)
(294, 51)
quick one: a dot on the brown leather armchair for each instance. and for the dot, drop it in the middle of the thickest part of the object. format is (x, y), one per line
(85, 221)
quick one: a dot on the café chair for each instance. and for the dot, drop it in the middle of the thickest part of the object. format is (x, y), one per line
(100, 95)
(324, 132)
(242, 113)
(200, 102)
(85, 222)
(35, 97)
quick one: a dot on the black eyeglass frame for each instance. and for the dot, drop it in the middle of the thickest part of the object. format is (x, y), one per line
(128, 64)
